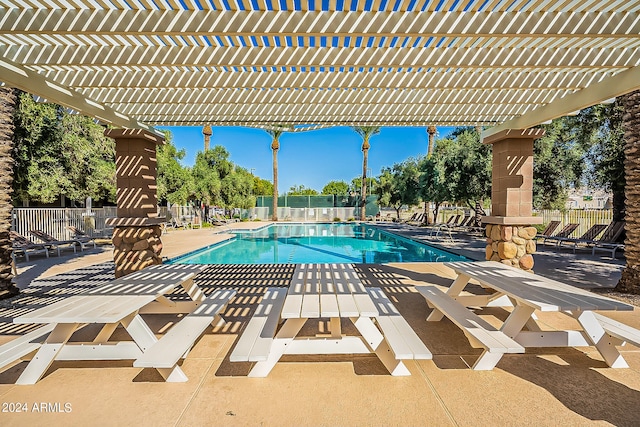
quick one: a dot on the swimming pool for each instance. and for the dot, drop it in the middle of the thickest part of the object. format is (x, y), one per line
(316, 243)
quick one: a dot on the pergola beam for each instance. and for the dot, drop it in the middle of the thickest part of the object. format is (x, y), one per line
(101, 57)
(15, 75)
(113, 22)
(620, 84)
(426, 97)
(437, 78)
(425, 63)
(171, 96)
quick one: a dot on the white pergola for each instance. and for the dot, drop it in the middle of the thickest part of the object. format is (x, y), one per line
(318, 63)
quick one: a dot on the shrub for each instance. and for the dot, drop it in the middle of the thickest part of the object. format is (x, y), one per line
(336, 219)
(540, 227)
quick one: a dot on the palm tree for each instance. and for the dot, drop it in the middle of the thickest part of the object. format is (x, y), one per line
(275, 146)
(207, 132)
(431, 130)
(365, 132)
(630, 280)
(8, 100)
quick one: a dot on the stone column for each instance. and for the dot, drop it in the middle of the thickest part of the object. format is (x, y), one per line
(509, 232)
(137, 231)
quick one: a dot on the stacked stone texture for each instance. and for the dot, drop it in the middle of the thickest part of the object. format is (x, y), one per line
(136, 248)
(630, 280)
(511, 245)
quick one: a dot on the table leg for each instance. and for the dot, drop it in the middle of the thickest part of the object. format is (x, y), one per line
(105, 333)
(145, 338)
(47, 353)
(600, 339)
(519, 317)
(284, 337)
(193, 290)
(454, 290)
(336, 327)
(378, 345)
(487, 361)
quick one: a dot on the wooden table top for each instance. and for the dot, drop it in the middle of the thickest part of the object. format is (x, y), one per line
(87, 309)
(542, 293)
(327, 290)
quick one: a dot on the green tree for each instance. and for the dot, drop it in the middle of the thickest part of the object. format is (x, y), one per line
(236, 189)
(262, 187)
(604, 136)
(58, 153)
(210, 168)
(38, 173)
(366, 132)
(558, 163)
(336, 187)
(89, 159)
(355, 185)
(399, 185)
(433, 185)
(466, 164)
(301, 190)
(175, 182)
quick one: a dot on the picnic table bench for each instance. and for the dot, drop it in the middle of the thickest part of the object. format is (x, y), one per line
(119, 303)
(175, 344)
(331, 291)
(526, 293)
(479, 331)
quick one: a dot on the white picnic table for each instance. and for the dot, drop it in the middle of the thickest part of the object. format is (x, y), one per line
(120, 303)
(526, 293)
(334, 292)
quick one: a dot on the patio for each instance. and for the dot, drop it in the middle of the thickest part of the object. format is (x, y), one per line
(569, 386)
(517, 65)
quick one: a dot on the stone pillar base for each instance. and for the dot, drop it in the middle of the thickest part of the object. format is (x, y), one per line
(136, 247)
(511, 245)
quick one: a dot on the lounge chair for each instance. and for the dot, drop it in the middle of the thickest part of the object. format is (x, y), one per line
(551, 227)
(468, 225)
(216, 219)
(451, 222)
(412, 218)
(565, 232)
(588, 237)
(24, 246)
(418, 219)
(176, 223)
(610, 240)
(465, 223)
(54, 243)
(196, 222)
(83, 238)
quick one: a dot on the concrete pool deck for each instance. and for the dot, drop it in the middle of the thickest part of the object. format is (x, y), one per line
(569, 386)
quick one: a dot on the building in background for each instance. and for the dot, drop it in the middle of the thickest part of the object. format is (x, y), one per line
(587, 198)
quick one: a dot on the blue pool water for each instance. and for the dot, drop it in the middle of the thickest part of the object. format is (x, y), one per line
(316, 243)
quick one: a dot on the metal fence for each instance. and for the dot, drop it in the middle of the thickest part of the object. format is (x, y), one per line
(310, 205)
(303, 214)
(54, 221)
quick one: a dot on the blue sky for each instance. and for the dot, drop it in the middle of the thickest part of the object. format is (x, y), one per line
(309, 158)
